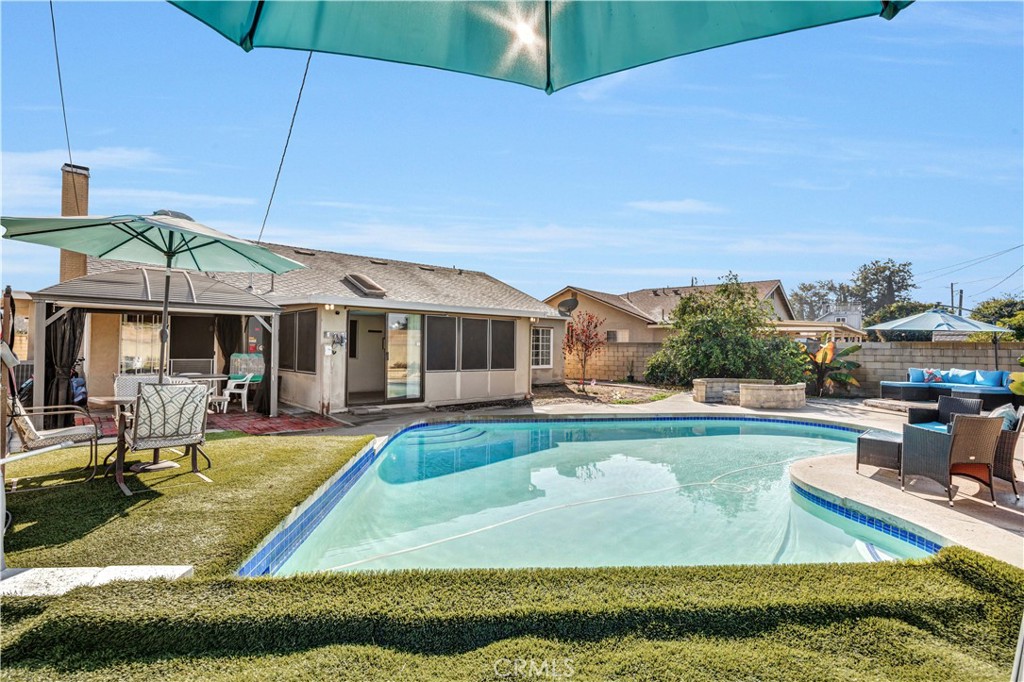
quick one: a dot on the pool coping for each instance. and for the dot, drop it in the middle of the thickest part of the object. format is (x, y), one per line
(278, 545)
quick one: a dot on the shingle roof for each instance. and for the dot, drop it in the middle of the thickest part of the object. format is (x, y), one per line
(406, 285)
(655, 305)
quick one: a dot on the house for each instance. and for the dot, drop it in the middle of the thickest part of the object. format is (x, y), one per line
(637, 322)
(850, 314)
(358, 331)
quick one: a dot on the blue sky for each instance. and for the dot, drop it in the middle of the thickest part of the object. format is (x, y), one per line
(797, 157)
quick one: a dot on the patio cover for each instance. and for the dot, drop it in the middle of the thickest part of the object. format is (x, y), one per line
(135, 290)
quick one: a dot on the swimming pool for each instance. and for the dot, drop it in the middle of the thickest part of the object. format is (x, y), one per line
(587, 493)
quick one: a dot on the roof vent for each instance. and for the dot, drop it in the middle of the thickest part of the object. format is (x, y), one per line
(378, 262)
(655, 292)
(304, 252)
(427, 268)
(676, 292)
(365, 285)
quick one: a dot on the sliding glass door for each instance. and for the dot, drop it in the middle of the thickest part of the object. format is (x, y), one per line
(404, 357)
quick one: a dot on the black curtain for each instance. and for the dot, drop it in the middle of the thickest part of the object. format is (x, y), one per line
(63, 344)
(262, 398)
(229, 336)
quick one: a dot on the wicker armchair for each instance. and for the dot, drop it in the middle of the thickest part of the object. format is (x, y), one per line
(944, 411)
(968, 450)
(167, 416)
(1005, 447)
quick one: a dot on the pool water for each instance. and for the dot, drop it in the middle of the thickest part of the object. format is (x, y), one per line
(474, 495)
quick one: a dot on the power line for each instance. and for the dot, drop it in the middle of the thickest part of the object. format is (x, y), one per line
(285, 150)
(63, 109)
(977, 261)
(979, 258)
(998, 283)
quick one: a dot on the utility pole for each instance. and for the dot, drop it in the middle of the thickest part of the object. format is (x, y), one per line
(960, 308)
(952, 303)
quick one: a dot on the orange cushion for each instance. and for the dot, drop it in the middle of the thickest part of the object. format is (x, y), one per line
(978, 471)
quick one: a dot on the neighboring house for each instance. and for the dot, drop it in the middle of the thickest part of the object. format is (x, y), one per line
(850, 314)
(356, 330)
(637, 322)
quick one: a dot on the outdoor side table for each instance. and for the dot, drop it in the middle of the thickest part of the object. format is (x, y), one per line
(879, 448)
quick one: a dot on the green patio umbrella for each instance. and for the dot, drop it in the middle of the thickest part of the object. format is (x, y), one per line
(546, 45)
(167, 238)
(938, 320)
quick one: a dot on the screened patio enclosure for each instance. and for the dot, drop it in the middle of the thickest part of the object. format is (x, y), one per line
(112, 320)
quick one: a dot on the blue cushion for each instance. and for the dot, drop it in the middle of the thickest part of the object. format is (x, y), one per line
(985, 377)
(1007, 414)
(934, 426)
(960, 376)
(915, 375)
(990, 390)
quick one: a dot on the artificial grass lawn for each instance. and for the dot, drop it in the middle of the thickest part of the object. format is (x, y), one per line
(173, 517)
(952, 617)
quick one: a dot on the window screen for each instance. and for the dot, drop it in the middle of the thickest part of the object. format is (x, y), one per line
(441, 338)
(503, 344)
(287, 343)
(474, 343)
(305, 341)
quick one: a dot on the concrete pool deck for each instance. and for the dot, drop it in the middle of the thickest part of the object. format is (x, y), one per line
(972, 522)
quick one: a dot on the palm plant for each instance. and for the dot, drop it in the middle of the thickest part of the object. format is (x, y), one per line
(827, 367)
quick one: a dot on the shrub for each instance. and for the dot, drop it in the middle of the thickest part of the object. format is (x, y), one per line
(661, 369)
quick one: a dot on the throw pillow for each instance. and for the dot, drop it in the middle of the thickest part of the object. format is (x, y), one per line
(932, 376)
(915, 374)
(986, 378)
(960, 376)
(1007, 414)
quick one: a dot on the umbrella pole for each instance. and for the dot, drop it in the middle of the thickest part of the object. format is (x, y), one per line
(163, 323)
(995, 347)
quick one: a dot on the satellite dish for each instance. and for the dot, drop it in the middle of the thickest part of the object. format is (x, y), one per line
(567, 306)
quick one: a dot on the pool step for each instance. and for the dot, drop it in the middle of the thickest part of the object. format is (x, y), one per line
(457, 434)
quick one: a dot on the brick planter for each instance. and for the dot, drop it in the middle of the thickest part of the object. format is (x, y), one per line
(710, 390)
(784, 397)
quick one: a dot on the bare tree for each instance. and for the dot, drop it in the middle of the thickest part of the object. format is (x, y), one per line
(583, 339)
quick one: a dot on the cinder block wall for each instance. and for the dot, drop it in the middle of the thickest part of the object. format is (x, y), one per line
(611, 362)
(889, 361)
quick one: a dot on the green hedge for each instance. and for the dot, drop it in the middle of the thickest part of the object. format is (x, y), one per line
(452, 612)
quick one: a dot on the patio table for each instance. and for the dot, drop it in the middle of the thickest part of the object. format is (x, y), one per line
(879, 448)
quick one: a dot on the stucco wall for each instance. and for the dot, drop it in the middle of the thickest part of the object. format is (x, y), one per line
(889, 361)
(556, 373)
(613, 317)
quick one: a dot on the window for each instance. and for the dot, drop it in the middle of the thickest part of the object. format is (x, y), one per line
(540, 347)
(298, 347)
(616, 335)
(140, 344)
(840, 319)
(503, 344)
(442, 333)
(474, 344)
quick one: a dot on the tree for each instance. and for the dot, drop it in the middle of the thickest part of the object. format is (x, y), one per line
(882, 283)
(1006, 311)
(583, 339)
(725, 332)
(873, 286)
(894, 312)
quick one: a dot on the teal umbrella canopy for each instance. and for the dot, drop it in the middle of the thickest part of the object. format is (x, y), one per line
(937, 320)
(546, 45)
(166, 239)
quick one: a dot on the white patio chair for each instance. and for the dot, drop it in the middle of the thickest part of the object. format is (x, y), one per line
(167, 416)
(239, 387)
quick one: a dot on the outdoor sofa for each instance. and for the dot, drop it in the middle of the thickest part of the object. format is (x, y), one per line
(989, 386)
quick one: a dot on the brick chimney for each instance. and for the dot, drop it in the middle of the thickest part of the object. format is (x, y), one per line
(74, 201)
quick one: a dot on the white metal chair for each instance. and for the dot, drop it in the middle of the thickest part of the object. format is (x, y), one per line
(239, 387)
(167, 416)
